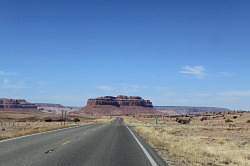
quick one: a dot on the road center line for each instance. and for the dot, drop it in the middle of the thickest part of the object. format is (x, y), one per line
(151, 160)
(66, 142)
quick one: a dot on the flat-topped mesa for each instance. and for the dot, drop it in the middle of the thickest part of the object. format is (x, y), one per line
(16, 104)
(120, 105)
(120, 101)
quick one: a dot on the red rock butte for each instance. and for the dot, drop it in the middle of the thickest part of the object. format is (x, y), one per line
(120, 105)
(16, 105)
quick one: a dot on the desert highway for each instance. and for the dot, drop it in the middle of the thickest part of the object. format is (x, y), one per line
(111, 144)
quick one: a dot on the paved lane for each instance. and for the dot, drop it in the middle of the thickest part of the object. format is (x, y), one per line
(92, 145)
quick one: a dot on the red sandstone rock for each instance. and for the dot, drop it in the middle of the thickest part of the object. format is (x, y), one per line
(120, 105)
(120, 101)
(16, 104)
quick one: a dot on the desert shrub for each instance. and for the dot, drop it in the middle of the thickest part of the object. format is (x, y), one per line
(232, 125)
(183, 120)
(76, 120)
(203, 118)
(48, 120)
(228, 120)
(226, 162)
(248, 121)
(21, 120)
(235, 117)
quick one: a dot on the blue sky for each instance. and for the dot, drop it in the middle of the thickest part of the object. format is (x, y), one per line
(172, 52)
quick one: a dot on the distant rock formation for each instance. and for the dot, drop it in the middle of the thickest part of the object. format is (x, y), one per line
(16, 105)
(55, 108)
(120, 101)
(48, 105)
(188, 109)
(120, 105)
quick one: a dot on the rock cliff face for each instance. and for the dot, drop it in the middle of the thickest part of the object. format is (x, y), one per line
(120, 101)
(120, 105)
(16, 104)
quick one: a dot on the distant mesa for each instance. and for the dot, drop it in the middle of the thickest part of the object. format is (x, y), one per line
(49, 105)
(16, 105)
(23, 105)
(55, 108)
(179, 110)
(120, 101)
(107, 105)
(118, 105)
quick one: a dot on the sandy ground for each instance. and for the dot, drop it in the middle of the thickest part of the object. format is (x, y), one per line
(212, 139)
(14, 124)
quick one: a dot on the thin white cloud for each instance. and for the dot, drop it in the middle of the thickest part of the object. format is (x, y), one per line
(236, 93)
(194, 71)
(5, 73)
(105, 88)
(121, 88)
(226, 74)
(10, 84)
(128, 88)
(42, 83)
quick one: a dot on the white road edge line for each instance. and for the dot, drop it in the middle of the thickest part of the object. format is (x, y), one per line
(11, 139)
(151, 160)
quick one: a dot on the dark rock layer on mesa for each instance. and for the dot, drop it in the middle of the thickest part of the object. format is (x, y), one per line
(120, 105)
(16, 105)
(120, 101)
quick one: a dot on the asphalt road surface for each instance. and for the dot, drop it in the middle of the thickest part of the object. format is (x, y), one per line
(92, 145)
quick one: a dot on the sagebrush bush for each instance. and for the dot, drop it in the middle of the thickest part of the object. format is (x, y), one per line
(77, 120)
(183, 121)
(48, 120)
(228, 120)
(203, 118)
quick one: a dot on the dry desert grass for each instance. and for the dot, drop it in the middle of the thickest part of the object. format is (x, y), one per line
(15, 129)
(13, 124)
(207, 140)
